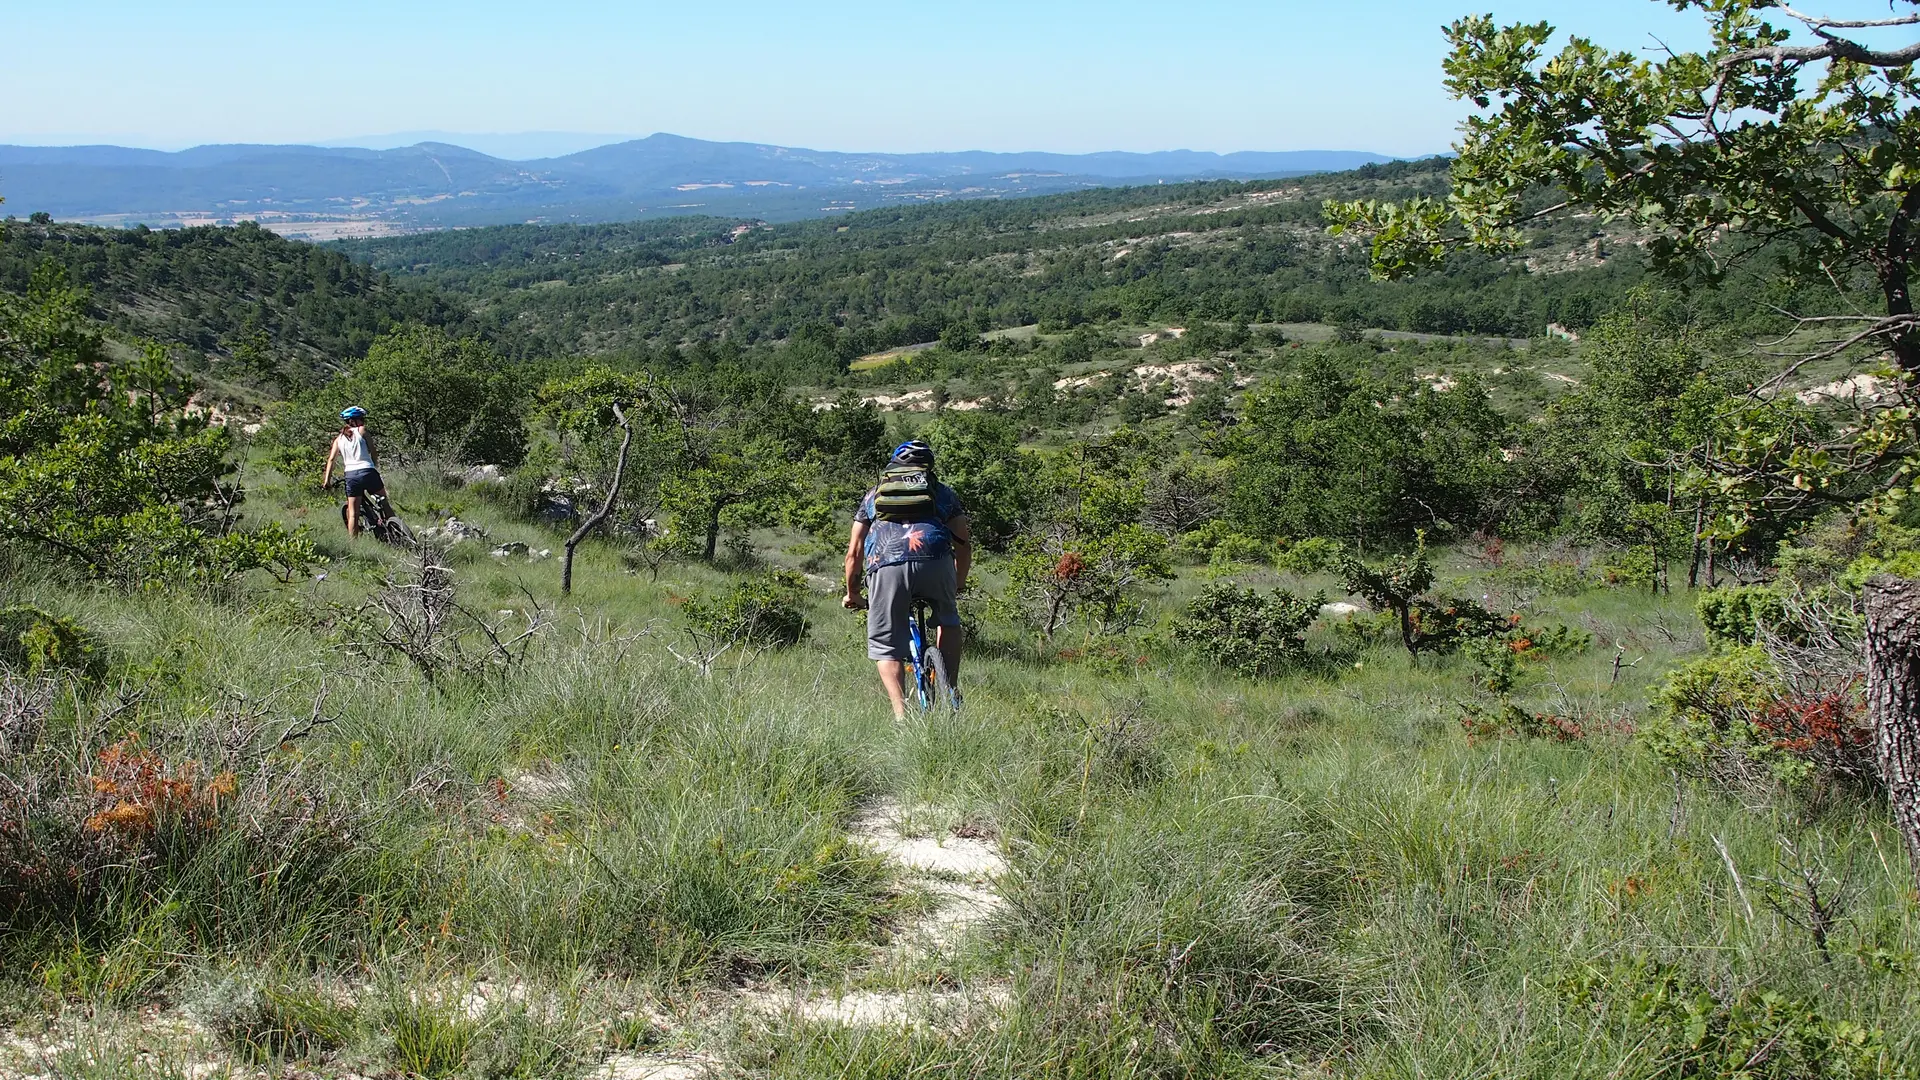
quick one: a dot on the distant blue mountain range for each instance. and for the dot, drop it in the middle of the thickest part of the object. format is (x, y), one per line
(509, 146)
(436, 185)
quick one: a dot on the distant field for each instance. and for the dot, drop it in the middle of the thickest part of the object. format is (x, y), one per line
(882, 359)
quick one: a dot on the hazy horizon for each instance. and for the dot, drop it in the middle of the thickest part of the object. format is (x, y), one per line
(520, 146)
(1217, 75)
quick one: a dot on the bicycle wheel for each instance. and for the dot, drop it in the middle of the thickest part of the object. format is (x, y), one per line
(397, 533)
(935, 683)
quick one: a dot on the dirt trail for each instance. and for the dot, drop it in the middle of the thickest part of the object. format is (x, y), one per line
(906, 983)
(959, 875)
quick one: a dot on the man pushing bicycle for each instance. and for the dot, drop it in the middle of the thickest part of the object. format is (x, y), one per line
(910, 542)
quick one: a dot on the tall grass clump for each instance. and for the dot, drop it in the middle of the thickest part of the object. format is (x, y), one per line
(108, 837)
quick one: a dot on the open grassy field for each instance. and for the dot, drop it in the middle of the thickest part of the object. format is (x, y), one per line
(588, 858)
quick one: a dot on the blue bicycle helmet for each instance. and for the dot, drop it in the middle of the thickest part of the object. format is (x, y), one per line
(911, 452)
(353, 412)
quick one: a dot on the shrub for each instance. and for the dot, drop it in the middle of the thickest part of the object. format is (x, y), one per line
(1314, 555)
(1634, 566)
(1875, 544)
(35, 642)
(1235, 550)
(1059, 573)
(1245, 631)
(100, 468)
(1502, 657)
(1206, 544)
(1427, 624)
(1510, 719)
(1367, 629)
(1735, 616)
(763, 610)
(1732, 718)
(1685, 1027)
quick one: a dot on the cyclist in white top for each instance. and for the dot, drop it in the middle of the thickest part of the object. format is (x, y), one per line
(354, 448)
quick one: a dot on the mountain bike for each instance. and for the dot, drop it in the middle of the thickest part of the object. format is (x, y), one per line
(928, 667)
(377, 517)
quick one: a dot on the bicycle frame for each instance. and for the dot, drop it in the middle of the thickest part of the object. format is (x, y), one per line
(376, 515)
(370, 509)
(917, 649)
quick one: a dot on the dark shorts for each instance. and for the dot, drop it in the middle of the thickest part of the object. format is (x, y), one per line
(366, 480)
(891, 591)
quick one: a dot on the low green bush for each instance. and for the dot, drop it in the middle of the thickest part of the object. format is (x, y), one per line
(1502, 658)
(1735, 616)
(761, 610)
(1685, 1026)
(1246, 631)
(1510, 719)
(1236, 549)
(1197, 546)
(1314, 555)
(36, 642)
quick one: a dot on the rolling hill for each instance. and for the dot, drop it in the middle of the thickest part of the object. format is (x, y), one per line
(207, 289)
(332, 192)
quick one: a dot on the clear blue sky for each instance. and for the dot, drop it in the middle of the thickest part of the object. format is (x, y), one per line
(900, 75)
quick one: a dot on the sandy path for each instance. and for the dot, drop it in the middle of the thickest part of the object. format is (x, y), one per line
(959, 874)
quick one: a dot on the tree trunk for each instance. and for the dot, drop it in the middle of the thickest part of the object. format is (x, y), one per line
(713, 530)
(1056, 601)
(1693, 561)
(1893, 700)
(606, 506)
(1894, 282)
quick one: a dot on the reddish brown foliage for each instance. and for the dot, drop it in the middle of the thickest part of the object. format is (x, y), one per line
(1832, 722)
(133, 790)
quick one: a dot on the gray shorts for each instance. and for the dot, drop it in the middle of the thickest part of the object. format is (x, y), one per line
(891, 591)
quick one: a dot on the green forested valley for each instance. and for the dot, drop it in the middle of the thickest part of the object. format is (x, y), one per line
(1224, 252)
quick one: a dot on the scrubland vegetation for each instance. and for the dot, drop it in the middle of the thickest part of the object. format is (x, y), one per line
(1341, 700)
(252, 813)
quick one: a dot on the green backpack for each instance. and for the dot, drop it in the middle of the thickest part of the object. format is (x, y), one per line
(905, 493)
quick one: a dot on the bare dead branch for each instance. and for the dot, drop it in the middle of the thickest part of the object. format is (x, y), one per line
(1821, 22)
(1803, 899)
(422, 621)
(318, 718)
(1734, 872)
(1833, 48)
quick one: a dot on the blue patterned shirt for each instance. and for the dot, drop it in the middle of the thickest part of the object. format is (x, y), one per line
(893, 542)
